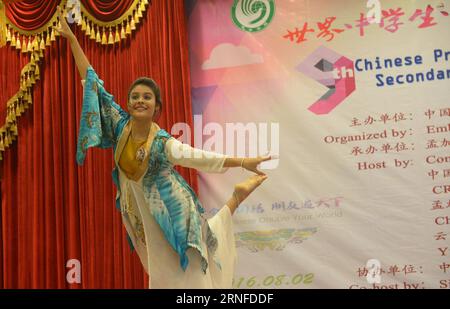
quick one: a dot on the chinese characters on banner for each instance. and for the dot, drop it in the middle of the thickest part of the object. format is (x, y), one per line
(391, 21)
(438, 142)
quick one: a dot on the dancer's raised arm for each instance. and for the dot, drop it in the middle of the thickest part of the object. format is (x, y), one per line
(80, 58)
(100, 115)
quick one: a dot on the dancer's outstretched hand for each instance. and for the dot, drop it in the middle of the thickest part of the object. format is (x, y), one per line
(251, 164)
(64, 28)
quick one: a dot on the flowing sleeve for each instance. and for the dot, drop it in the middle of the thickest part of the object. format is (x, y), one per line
(184, 155)
(100, 117)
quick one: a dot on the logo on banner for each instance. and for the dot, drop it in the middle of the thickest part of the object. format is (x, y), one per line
(277, 240)
(252, 15)
(335, 72)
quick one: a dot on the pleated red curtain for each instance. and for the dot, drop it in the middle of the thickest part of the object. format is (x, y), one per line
(106, 10)
(30, 14)
(53, 210)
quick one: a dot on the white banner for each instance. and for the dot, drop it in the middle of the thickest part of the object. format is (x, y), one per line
(353, 96)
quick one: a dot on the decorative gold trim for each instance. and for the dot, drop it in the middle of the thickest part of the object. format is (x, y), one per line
(19, 102)
(110, 23)
(4, 32)
(124, 25)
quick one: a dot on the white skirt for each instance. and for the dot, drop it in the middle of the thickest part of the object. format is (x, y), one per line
(161, 261)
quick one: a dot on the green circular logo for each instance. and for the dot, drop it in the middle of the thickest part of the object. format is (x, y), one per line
(252, 15)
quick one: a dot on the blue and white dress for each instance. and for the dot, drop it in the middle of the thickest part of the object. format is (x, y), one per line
(165, 222)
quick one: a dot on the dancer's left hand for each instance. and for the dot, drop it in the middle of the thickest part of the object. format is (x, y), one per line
(251, 164)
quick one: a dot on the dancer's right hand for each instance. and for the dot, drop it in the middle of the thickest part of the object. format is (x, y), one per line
(64, 28)
(251, 164)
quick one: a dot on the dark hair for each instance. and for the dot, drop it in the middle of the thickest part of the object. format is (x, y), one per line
(146, 81)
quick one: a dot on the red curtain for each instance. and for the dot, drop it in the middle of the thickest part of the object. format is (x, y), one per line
(31, 14)
(106, 10)
(52, 209)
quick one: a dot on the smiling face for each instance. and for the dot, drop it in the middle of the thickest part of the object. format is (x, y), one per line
(142, 103)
